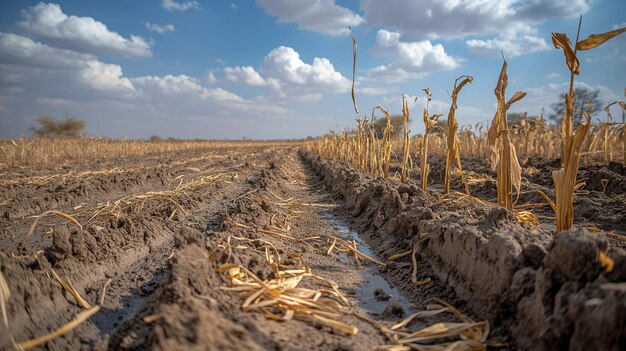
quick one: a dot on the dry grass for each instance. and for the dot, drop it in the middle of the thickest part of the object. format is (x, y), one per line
(46, 152)
(464, 334)
(281, 298)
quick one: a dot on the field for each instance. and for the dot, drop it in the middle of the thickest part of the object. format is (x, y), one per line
(265, 245)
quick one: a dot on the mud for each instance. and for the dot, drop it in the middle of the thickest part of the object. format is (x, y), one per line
(539, 291)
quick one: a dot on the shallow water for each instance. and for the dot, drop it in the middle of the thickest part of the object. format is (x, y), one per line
(372, 278)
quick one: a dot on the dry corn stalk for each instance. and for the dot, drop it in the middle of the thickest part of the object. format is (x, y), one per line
(605, 133)
(429, 123)
(503, 157)
(281, 298)
(565, 178)
(452, 143)
(622, 104)
(386, 142)
(464, 335)
(406, 147)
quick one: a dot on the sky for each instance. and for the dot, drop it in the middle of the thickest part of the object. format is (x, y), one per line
(268, 69)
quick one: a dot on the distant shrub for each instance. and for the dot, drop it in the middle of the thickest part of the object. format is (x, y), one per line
(49, 127)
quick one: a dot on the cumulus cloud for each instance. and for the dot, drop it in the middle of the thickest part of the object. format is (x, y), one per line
(453, 19)
(188, 90)
(160, 28)
(48, 23)
(210, 78)
(286, 75)
(20, 55)
(245, 75)
(512, 20)
(618, 26)
(513, 41)
(323, 16)
(172, 5)
(377, 91)
(61, 80)
(408, 59)
(553, 75)
(21, 50)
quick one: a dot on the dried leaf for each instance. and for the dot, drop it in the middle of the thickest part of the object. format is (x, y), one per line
(595, 40)
(606, 261)
(5, 293)
(516, 170)
(561, 40)
(354, 46)
(516, 97)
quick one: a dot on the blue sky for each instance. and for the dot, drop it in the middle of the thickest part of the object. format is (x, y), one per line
(283, 68)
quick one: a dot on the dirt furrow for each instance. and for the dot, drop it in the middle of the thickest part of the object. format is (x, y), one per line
(538, 291)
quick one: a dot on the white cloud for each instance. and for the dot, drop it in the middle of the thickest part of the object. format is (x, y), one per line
(323, 16)
(553, 75)
(408, 59)
(54, 102)
(105, 76)
(21, 50)
(48, 23)
(453, 19)
(513, 41)
(32, 66)
(62, 81)
(160, 28)
(210, 78)
(377, 91)
(286, 75)
(512, 21)
(234, 6)
(244, 75)
(187, 93)
(172, 5)
(618, 26)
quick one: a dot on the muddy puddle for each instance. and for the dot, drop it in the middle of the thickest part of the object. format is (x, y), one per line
(374, 294)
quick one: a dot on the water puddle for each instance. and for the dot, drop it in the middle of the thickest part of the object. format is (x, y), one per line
(375, 293)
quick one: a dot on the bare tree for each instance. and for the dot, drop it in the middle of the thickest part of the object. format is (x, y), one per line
(582, 95)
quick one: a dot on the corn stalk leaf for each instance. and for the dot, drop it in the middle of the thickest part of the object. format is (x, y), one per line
(354, 46)
(516, 170)
(595, 40)
(516, 97)
(561, 40)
